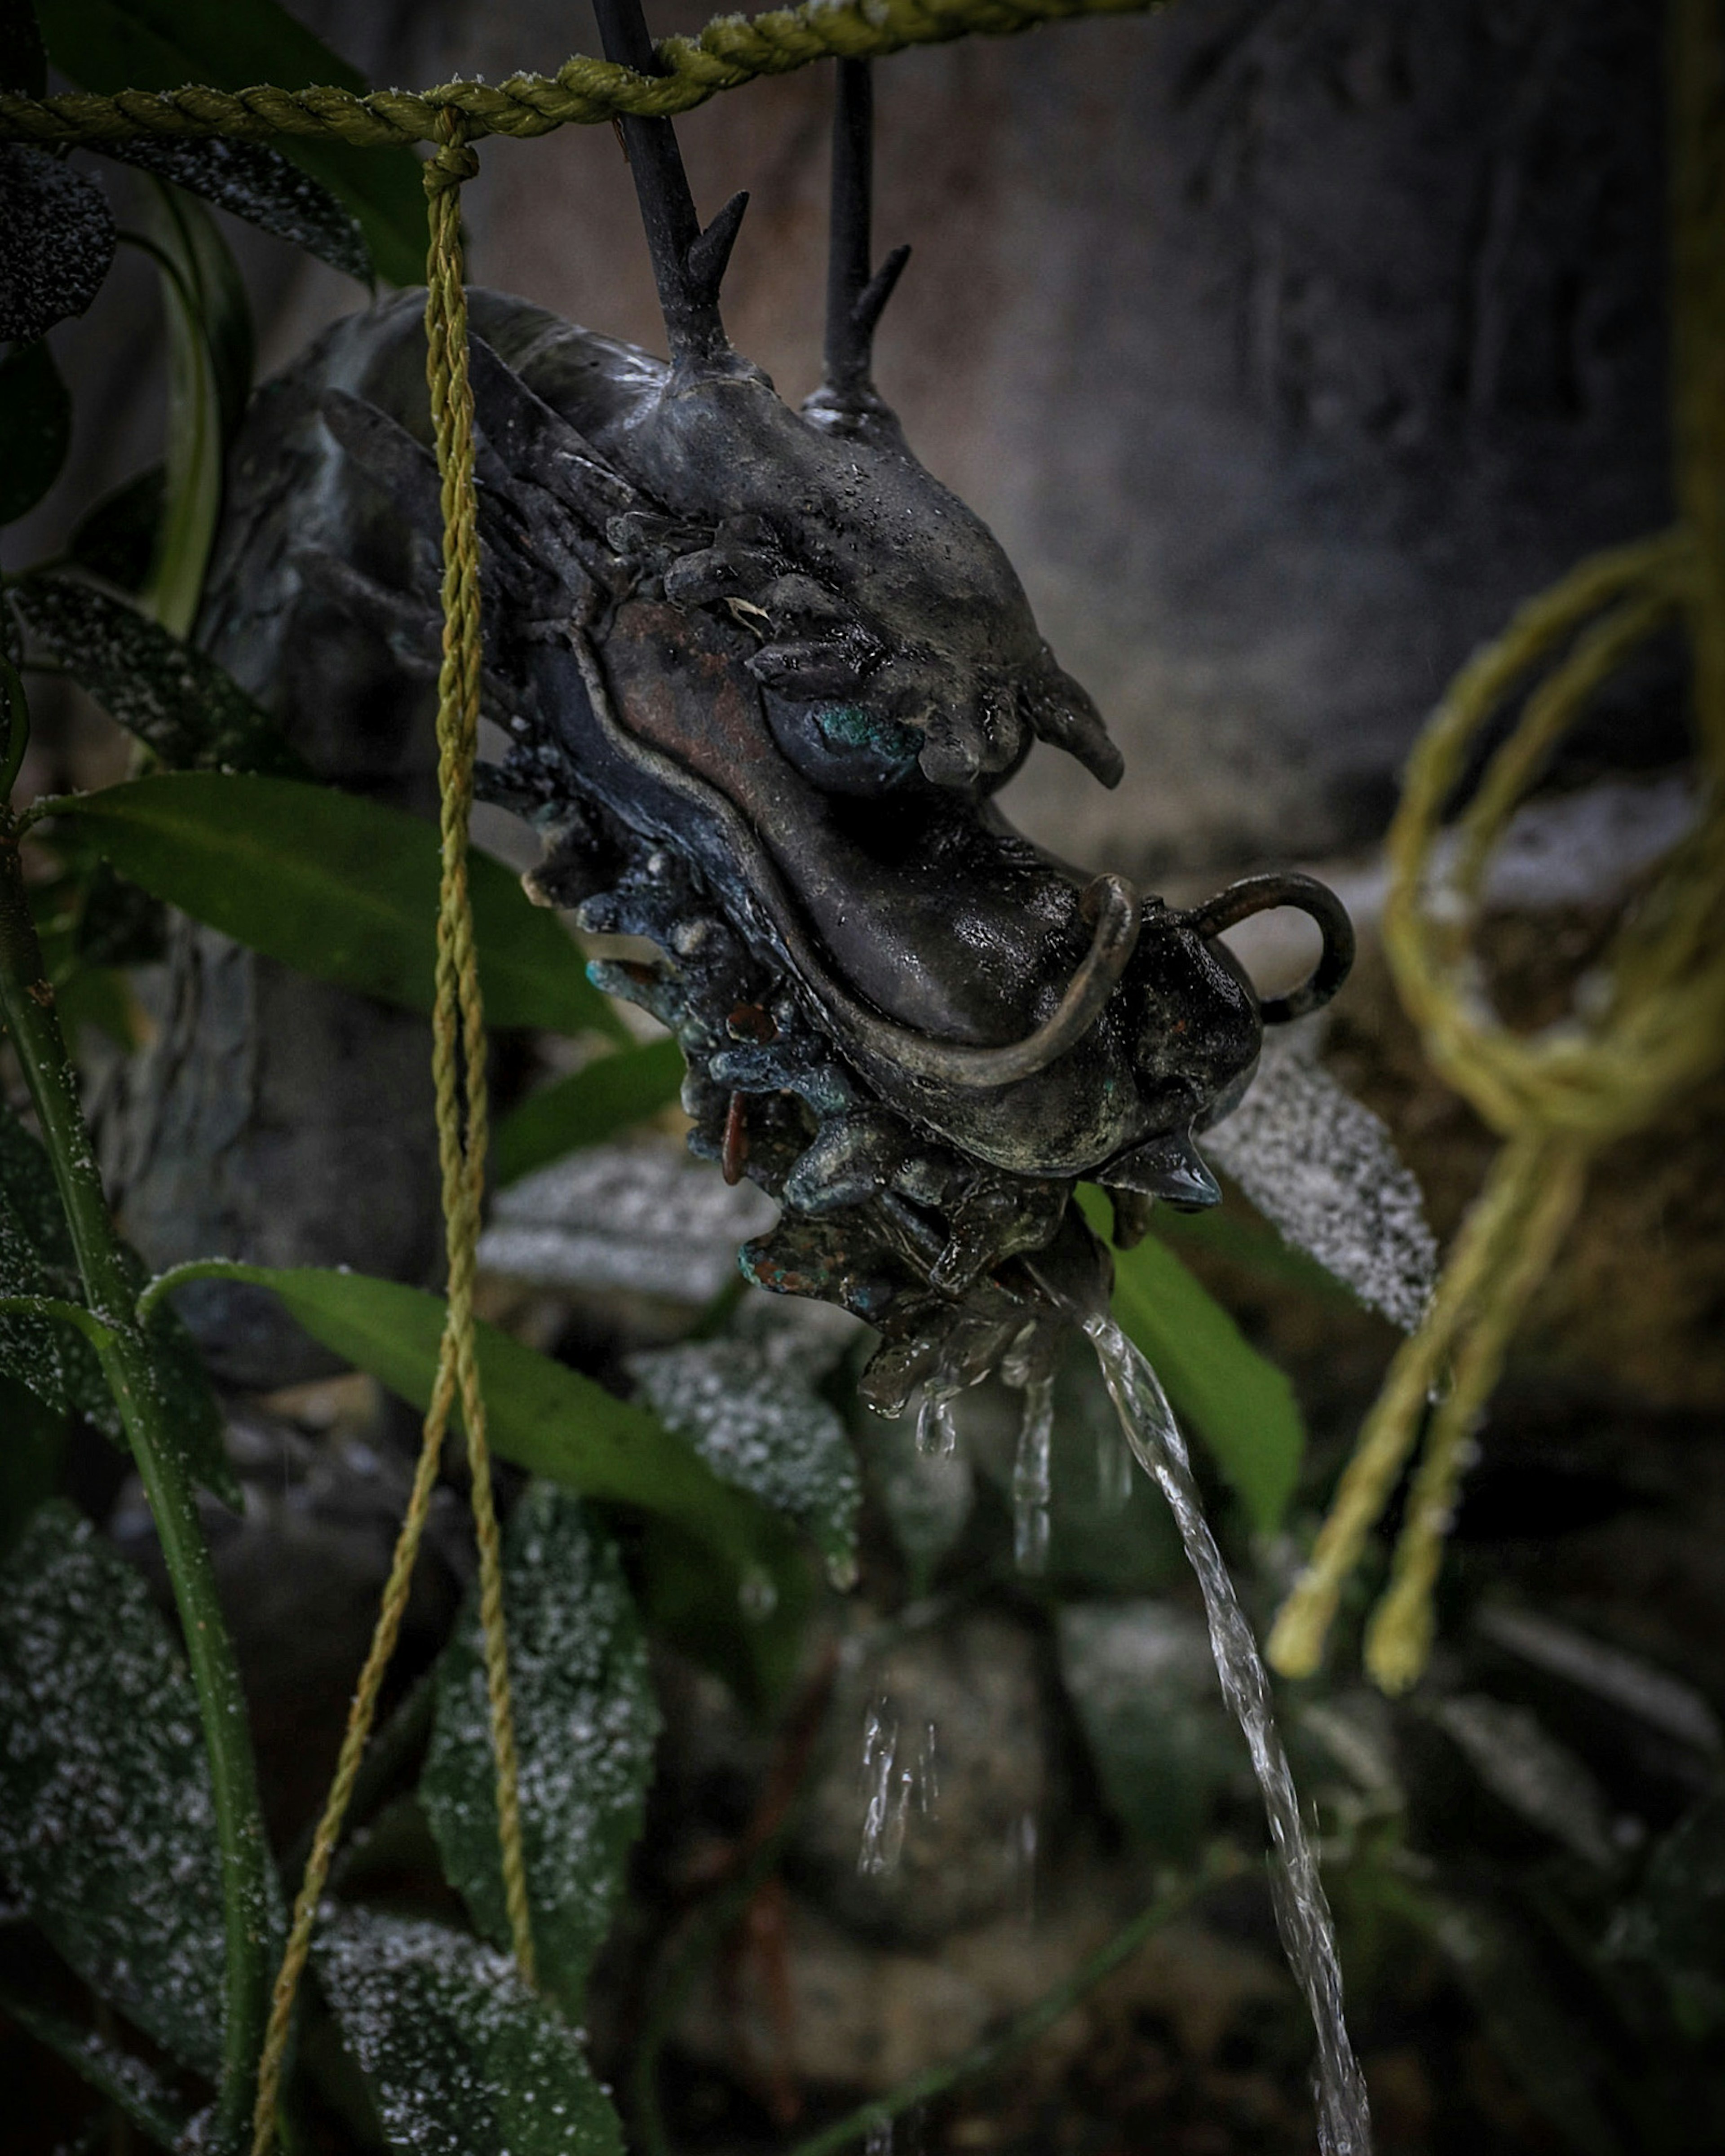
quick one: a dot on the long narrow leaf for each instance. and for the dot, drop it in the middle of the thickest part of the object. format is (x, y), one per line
(341, 888)
(111, 45)
(209, 364)
(1242, 1406)
(251, 181)
(542, 1415)
(591, 1104)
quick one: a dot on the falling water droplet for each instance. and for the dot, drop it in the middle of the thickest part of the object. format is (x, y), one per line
(927, 1776)
(879, 2140)
(1023, 1853)
(1303, 1911)
(936, 1431)
(1031, 1477)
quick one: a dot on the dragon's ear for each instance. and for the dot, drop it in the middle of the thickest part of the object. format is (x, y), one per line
(688, 261)
(856, 294)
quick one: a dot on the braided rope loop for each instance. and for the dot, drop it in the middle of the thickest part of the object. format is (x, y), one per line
(1658, 1027)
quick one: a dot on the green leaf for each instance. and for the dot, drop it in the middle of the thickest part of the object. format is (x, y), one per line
(57, 1362)
(461, 2057)
(107, 1822)
(209, 371)
(544, 1417)
(176, 700)
(603, 1097)
(1241, 1405)
(754, 1414)
(111, 45)
(585, 1723)
(250, 180)
(116, 539)
(1142, 1679)
(35, 427)
(1677, 1921)
(340, 887)
(31, 1448)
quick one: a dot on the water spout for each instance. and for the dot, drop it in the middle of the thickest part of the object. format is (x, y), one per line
(1302, 1914)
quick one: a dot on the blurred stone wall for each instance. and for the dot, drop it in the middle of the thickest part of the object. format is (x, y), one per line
(1287, 344)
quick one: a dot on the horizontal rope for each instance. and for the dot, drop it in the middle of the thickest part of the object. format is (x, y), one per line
(733, 49)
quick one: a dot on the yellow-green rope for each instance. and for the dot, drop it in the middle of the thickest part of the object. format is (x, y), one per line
(458, 1055)
(732, 50)
(1658, 1027)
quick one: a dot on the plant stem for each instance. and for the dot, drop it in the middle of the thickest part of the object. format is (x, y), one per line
(26, 1007)
(1024, 2029)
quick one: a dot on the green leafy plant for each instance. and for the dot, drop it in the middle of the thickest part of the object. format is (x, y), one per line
(712, 1511)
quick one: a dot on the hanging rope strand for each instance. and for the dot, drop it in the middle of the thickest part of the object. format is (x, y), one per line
(458, 1052)
(1558, 1096)
(459, 1011)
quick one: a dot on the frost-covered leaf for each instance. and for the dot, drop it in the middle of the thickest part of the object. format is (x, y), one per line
(642, 1217)
(55, 1360)
(35, 427)
(461, 2058)
(175, 699)
(107, 1824)
(111, 45)
(260, 185)
(56, 241)
(1239, 1402)
(1144, 1682)
(147, 2097)
(1525, 1766)
(750, 1409)
(1325, 1171)
(585, 1723)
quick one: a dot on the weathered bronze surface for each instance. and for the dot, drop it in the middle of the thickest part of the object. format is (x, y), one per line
(763, 676)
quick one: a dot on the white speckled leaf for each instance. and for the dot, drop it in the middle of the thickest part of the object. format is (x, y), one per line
(55, 1360)
(1322, 1168)
(107, 1824)
(750, 1409)
(586, 1724)
(462, 2059)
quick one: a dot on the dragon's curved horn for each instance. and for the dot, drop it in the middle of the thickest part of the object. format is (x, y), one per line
(856, 293)
(1263, 893)
(688, 261)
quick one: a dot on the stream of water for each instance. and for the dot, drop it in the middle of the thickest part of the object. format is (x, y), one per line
(1302, 1914)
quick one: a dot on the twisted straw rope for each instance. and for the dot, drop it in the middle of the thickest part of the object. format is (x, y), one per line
(733, 49)
(458, 1048)
(1659, 1025)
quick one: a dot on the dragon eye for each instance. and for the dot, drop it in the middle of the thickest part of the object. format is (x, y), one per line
(843, 749)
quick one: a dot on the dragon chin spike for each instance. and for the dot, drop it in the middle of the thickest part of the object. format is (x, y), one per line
(688, 260)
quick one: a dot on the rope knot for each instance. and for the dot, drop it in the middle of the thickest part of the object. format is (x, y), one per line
(455, 161)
